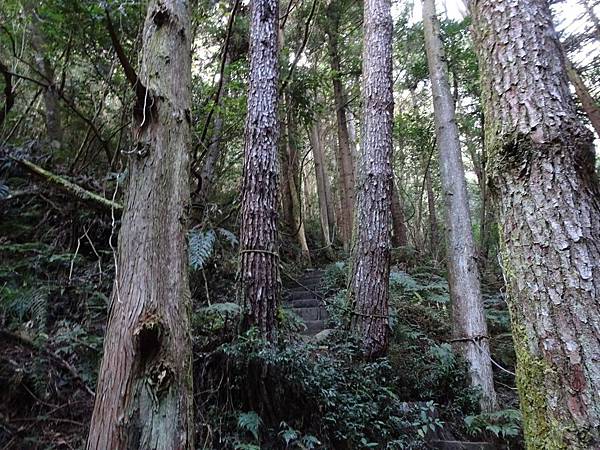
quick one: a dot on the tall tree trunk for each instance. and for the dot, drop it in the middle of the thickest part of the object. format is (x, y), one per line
(369, 284)
(399, 232)
(42, 64)
(323, 188)
(344, 156)
(542, 165)
(589, 105)
(144, 397)
(258, 238)
(469, 326)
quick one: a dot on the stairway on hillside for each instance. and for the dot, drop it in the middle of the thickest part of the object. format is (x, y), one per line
(304, 298)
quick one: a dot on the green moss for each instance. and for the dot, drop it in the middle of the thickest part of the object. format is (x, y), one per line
(541, 431)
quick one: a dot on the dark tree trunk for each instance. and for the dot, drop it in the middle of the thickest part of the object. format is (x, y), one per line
(469, 326)
(434, 236)
(259, 249)
(144, 396)
(542, 166)
(344, 154)
(369, 284)
(399, 232)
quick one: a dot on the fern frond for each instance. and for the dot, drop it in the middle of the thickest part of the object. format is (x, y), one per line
(200, 247)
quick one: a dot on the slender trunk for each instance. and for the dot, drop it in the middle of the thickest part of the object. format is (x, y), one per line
(469, 326)
(42, 64)
(369, 284)
(351, 121)
(207, 172)
(144, 397)
(589, 105)
(542, 166)
(345, 160)
(399, 233)
(323, 189)
(434, 238)
(259, 270)
(291, 200)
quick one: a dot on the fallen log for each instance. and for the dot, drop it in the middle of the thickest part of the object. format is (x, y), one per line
(69, 187)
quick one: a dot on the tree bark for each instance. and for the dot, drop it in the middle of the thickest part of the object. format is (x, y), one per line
(541, 162)
(9, 95)
(469, 325)
(434, 235)
(589, 105)
(369, 284)
(259, 253)
(344, 154)
(324, 195)
(399, 232)
(144, 396)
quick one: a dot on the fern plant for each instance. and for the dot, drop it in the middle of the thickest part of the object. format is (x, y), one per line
(200, 247)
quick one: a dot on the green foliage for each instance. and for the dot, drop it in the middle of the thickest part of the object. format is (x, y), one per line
(427, 287)
(200, 247)
(336, 276)
(250, 422)
(334, 398)
(505, 423)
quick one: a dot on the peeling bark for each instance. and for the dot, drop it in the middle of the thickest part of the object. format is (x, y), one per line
(469, 326)
(369, 284)
(542, 167)
(144, 395)
(260, 283)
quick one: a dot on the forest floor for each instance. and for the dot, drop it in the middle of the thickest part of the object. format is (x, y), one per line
(56, 266)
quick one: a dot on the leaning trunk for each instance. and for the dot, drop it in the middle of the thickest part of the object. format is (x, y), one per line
(469, 326)
(369, 284)
(258, 237)
(542, 166)
(589, 105)
(144, 397)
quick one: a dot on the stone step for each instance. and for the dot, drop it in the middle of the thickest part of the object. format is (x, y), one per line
(462, 445)
(314, 326)
(303, 303)
(298, 295)
(311, 313)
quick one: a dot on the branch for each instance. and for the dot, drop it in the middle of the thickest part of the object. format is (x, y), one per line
(302, 46)
(130, 73)
(25, 342)
(47, 85)
(221, 71)
(69, 187)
